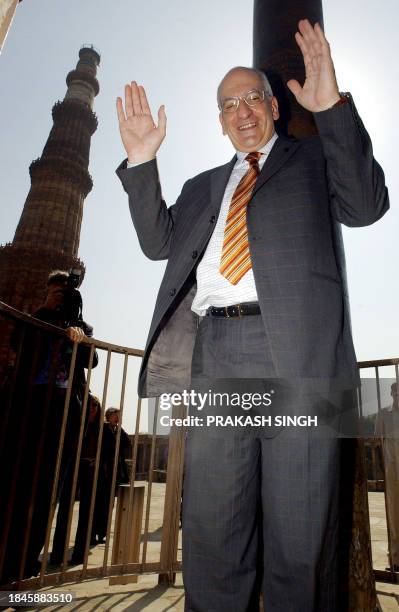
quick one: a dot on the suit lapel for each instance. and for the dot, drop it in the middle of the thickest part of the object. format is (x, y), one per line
(219, 180)
(280, 153)
(206, 206)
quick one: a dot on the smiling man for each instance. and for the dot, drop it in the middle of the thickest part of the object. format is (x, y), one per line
(249, 126)
(252, 292)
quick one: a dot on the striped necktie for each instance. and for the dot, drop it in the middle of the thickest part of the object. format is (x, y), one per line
(236, 259)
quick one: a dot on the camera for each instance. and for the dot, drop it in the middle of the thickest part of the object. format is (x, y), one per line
(74, 279)
(71, 308)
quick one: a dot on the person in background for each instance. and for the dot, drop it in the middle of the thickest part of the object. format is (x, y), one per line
(45, 361)
(84, 486)
(108, 447)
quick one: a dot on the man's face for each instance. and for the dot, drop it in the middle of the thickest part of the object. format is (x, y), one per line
(55, 295)
(113, 419)
(249, 127)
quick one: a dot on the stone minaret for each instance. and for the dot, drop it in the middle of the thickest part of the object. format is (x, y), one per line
(276, 52)
(48, 232)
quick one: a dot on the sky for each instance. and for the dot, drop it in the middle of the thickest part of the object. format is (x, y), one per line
(179, 50)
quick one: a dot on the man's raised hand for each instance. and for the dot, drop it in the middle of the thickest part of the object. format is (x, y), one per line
(320, 90)
(140, 136)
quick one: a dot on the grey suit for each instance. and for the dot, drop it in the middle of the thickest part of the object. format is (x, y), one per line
(305, 189)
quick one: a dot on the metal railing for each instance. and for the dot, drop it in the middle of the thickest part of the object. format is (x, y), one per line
(23, 343)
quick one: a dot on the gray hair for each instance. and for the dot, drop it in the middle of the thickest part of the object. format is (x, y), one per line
(262, 77)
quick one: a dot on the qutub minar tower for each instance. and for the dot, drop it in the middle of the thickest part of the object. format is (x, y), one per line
(48, 233)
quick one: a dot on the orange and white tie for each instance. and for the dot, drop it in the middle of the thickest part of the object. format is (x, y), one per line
(236, 259)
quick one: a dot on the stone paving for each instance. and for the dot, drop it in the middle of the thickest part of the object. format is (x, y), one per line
(147, 595)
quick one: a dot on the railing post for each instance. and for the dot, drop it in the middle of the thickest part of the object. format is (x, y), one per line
(174, 481)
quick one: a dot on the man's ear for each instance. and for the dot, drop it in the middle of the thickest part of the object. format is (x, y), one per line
(222, 123)
(274, 107)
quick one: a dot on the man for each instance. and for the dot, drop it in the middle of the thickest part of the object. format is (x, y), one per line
(85, 486)
(42, 381)
(109, 445)
(387, 426)
(107, 459)
(252, 292)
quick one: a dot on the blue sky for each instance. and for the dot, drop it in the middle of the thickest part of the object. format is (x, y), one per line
(180, 50)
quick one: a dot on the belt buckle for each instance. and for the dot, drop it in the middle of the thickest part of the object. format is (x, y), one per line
(233, 316)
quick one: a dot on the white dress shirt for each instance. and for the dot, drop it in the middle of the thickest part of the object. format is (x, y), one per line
(213, 289)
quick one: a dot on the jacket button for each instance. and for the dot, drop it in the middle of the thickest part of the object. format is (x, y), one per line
(172, 292)
(194, 254)
(212, 219)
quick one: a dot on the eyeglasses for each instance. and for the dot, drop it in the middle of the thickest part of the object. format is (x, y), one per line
(252, 98)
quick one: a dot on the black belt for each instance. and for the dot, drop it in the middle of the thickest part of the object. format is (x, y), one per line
(236, 310)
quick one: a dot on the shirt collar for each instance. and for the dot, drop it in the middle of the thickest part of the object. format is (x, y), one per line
(265, 150)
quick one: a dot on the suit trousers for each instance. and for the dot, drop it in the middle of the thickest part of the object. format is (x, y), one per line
(260, 506)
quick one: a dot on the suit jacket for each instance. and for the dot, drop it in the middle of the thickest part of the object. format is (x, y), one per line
(305, 189)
